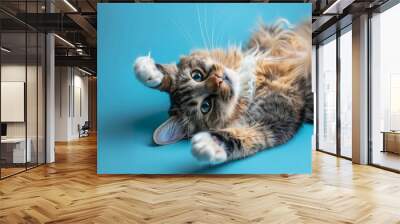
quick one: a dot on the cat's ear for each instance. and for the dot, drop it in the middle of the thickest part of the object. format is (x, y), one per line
(169, 132)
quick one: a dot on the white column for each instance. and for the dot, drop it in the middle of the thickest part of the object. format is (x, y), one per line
(360, 90)
(50, 99)
(50, 92)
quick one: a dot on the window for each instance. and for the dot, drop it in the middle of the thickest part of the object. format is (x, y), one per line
(346, 92)
(385, 89)
(327, 96)
(22, 78)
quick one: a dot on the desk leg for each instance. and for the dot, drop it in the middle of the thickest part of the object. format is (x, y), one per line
(384, 143)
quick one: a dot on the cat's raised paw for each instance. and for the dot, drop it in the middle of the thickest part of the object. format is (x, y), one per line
(147, 72)
(206, 148)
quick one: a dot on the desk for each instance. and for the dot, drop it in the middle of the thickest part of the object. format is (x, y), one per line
(13, 150)
(391, 141)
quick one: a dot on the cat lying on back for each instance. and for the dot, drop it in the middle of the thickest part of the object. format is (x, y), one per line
(234, 103)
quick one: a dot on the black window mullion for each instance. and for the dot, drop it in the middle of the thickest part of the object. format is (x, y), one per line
(0, 97)
(37, 90)
(26, 87)
(338, 76)
(369, 95)
(317, 96)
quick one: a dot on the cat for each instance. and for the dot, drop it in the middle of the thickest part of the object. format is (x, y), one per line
(236, 102)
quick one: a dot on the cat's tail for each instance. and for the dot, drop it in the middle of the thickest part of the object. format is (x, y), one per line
(303, 36)
(282, 41)
(288, 46)
(280, 36)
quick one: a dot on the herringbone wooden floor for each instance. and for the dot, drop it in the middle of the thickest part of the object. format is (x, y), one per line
(70, 191)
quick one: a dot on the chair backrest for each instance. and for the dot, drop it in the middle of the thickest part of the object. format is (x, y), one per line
(3, 129)
(86, 125)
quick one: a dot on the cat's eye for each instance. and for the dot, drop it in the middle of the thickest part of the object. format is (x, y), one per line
(197, 76)
(205, 106)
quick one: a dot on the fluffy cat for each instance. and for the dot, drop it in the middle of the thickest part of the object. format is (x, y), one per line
(236, 102)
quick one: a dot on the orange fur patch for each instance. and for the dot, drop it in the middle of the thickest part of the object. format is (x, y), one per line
(250, 137)
(230, 58)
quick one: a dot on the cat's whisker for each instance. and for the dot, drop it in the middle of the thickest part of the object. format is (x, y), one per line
(201, 27)
(185, 34)
(212, 30)
(223, 33)
(206, 28)
(204, 22)
(221, 37)
(215, 34)
(183, 31)
(227, 19)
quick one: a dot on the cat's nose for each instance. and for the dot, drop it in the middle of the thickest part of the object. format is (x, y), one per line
(221, 76)
(215, 81)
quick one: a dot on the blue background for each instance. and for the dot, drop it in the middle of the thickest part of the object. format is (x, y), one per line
(128, 112)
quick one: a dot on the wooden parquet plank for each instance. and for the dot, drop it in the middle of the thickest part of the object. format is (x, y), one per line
(70, 191)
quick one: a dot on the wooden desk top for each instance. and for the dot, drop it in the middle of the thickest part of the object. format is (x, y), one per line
(391, 132)
(13, 140)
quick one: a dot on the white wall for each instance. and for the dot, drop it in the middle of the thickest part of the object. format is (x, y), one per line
(62, 82)
(80, 111)
(13, 100)
(71, 93)
(15, 72)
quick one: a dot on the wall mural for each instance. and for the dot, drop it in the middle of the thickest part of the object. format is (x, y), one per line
(204, 88)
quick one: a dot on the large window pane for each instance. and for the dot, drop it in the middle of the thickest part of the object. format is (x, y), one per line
(41, 98)
(22, 90)
(346, 93)
(14, 153)
(327, 96)
(385, 84)
(32, 96)
(32, 88)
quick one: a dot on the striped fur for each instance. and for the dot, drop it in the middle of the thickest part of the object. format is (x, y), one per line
(244, 117)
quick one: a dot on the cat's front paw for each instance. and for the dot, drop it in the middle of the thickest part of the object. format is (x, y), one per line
(206, 148)
(147, 72)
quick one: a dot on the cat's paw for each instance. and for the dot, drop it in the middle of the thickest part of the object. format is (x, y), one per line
(147, 72)
(206, 148)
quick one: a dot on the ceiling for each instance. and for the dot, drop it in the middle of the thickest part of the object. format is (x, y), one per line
(75, 23)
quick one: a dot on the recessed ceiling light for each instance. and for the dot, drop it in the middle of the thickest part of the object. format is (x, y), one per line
(64, 40)
(5, 50)
(70, 5)
(337, 7)
(84, 71)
